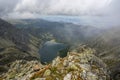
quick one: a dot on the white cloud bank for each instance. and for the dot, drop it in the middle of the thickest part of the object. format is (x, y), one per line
(32, 8)
(61, 6)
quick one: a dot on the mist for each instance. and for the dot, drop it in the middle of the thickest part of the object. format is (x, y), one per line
(85, 32)
(95, 21)
(99, 13)
(53, 7)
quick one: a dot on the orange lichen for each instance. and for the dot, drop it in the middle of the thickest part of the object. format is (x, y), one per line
(39, 73)
(1, 78)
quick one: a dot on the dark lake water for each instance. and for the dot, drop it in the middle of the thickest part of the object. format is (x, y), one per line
(50, 50)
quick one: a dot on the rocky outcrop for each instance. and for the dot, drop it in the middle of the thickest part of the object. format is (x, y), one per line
(76, 66)
(82, 65)
(21, 70)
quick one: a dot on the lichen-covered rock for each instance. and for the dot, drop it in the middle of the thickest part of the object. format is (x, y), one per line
(21, 70)
(68, 76)
(47, 73)
(82, 65)
(75, 66)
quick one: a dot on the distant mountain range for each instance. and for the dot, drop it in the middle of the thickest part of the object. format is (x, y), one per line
(24, 38)
(105, 41)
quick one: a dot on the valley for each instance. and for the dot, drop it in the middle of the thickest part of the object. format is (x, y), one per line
(39, 41)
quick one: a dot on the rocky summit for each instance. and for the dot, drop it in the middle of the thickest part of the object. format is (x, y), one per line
(76, 66)
(82, 65)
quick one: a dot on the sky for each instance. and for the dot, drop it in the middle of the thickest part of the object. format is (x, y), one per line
(23, 9)
(33, 8)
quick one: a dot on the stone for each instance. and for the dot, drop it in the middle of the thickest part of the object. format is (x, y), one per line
(74, 67)
(86, 67)
(36, 68)
(91, 76)
(47, 72)
(65, 63)
(40, 79)
(68, 76)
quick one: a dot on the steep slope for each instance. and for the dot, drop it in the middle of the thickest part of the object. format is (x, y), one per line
(108, 45)
(14, 45)
(63, 32)
(13, 34)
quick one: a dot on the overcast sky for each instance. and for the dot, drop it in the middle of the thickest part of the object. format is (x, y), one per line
(91, 12)
(35, 8)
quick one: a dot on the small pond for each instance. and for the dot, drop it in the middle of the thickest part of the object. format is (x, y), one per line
(50, 50)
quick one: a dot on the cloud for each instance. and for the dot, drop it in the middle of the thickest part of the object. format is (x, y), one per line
(33, 8)
(7, 6)
(61, 6)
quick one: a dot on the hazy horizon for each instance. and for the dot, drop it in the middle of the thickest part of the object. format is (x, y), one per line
(99, 13)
